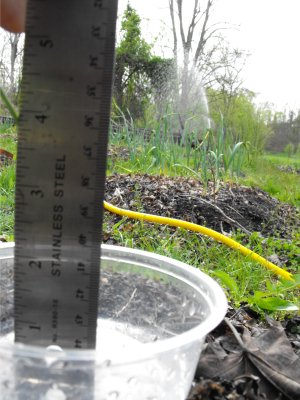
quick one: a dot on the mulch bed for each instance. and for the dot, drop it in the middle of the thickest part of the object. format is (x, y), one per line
(231, 208)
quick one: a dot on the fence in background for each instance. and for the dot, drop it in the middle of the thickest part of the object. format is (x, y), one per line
(7, 120)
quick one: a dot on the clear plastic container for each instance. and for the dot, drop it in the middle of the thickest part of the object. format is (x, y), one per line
(154, 314)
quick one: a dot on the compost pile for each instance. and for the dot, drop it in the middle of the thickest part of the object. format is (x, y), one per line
(243, 358)
(230, 208)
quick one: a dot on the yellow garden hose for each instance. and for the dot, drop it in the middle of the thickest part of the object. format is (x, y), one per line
(205, 231)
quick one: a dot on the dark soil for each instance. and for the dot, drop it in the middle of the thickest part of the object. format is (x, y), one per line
(231, 208)
(154, 307)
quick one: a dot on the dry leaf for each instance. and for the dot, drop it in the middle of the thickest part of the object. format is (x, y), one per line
(268, 356)
(106, 236)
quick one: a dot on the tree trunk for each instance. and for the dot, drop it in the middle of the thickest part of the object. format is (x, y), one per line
(14, 40)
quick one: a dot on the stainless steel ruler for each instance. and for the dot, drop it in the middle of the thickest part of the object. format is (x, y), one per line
(61, 164)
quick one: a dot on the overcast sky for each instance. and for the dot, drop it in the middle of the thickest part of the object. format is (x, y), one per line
(268, 29)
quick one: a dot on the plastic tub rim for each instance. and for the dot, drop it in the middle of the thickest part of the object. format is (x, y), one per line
(146, 350)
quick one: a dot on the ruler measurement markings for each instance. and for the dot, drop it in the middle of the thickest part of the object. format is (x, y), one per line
(37, 36)
(22, 138)
(28, 186)
(27, 322)
(31, 111)
(91, 336)
(28, 257)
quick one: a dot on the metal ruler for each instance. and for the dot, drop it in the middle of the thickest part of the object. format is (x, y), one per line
(61, 165)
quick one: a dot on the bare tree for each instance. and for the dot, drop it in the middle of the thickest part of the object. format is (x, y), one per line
(11, 63)
(14, 41)
(223, 73)
(186, 78)
(202, 57)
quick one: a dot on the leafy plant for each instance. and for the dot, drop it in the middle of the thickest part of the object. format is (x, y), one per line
(138, 73)
(9, 105)
(264, 300)
(216, 162)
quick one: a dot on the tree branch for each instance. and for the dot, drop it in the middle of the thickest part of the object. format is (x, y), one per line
(202, 40)
(171, 5)
(179, 5)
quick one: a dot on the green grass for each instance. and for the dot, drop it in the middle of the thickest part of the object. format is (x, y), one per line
(7, 183)
(282, 159)
(7, 135)
(209, 256)
(7, 200)
(284, 186)
(7, 128)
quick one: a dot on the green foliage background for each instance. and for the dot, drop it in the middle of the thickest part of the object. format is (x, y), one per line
(136, 71)
(144, 83)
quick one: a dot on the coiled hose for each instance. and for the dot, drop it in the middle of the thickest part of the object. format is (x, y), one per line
(205, 231)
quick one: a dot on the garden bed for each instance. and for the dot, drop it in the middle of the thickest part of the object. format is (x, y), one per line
(232, 207)
(229, 210)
